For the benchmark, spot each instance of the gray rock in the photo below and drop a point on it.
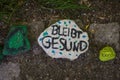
(9, 71)
(107, 34)
(35, 28)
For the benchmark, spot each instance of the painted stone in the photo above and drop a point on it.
(16, 41)
(107, 53)
(64, 39)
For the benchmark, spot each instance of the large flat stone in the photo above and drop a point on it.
(9, 71)
(106, 34)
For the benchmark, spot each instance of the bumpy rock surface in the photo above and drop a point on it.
(106, 34)
(9, 71)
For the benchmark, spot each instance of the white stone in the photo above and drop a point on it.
(64, 39)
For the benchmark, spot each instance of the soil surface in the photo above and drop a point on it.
(103, 19)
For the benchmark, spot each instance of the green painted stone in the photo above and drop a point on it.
(16, 41)
(107, 53)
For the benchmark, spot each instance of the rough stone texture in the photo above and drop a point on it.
(107, 34)
(9, 71)
(35, 29)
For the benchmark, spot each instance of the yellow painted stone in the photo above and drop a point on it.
(107, 53)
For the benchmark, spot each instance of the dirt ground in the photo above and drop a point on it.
(37, 65)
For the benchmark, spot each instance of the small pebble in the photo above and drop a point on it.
(106, 54)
